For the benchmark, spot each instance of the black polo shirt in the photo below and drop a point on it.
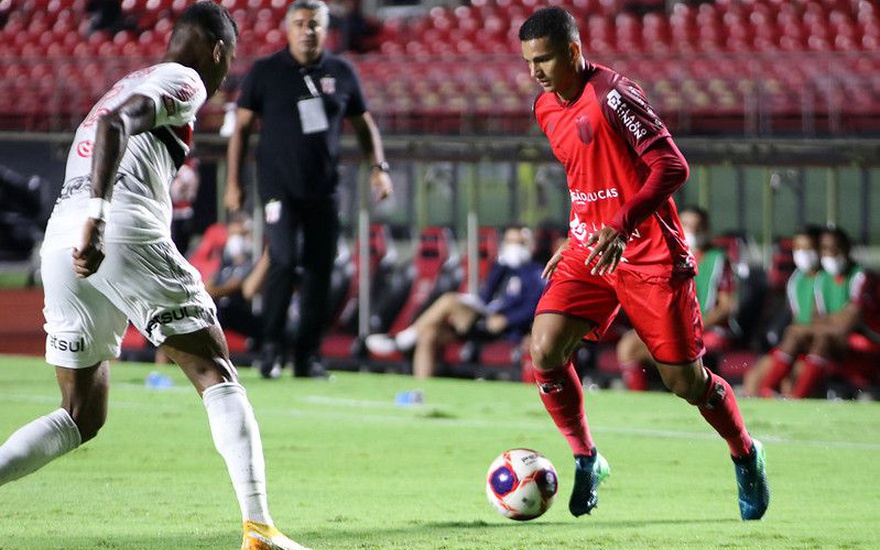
(289, 162)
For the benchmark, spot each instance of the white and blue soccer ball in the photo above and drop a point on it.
(521, 484)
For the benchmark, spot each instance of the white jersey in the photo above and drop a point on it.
(140, 208)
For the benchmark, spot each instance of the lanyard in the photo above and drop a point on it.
(311, 85)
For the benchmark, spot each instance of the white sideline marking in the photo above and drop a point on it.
(323, 400)
(408, 418)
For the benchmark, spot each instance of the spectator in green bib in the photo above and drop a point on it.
(824, 339)
(715, 286)
(801, 299)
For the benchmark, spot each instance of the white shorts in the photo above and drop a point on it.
(150, 284)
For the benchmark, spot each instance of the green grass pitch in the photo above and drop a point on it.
(348, 470)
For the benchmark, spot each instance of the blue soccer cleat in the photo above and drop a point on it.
(589, 472)
(751, 480)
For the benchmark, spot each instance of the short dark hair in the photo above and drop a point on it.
(811, 231)
(551, 22)
(213, 19)
(697, 210)
(840, 236)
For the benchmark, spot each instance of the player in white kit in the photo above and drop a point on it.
(108, 257)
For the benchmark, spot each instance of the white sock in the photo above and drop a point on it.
(406, 339)
(237, 439)
(36, 444)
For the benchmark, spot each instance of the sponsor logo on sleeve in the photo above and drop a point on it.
(84, 148)
(629, 120)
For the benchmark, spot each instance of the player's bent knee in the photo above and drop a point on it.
(685, 381)
(546, 355)
(683, 389)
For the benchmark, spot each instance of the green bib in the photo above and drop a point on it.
(801, 296)
(833, 293)
(709, 273)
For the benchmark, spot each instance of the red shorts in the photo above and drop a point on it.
(662, 309)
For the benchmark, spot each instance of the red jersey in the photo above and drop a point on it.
(600, 137)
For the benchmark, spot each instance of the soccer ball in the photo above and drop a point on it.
(521, 484)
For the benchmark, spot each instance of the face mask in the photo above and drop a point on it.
(833, 265)
(806, 260)
(513, 255)
(235, 246)
(695, 240)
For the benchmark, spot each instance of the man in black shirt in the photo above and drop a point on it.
(301, 94)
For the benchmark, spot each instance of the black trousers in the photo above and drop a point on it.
(304, 235)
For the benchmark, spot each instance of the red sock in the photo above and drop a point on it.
(634, 375)
(563, 397)
(811, 376)
(780, 366)
(718, 406)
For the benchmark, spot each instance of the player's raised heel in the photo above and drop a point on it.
(259, 536)
(751, 481)
(589, 472)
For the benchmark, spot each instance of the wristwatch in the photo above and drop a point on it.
(381, 166)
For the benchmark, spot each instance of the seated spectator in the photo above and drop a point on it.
(234, 280)
(825, 338)
(860, 322)
(238, 280)
(715, 293)
(801, 300)
(504, 308)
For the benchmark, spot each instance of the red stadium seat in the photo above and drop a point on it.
(341, 339)
(208, 254)
(434, 251)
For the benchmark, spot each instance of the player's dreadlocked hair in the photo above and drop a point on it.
(213, 19)
(552, 22)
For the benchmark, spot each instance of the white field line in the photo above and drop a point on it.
(409, 418)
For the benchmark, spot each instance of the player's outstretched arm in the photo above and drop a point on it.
(136, 115)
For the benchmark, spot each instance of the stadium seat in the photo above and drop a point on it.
(466, 40)
(432, 272)
(208, 254)
(487, 252)
(341, 343)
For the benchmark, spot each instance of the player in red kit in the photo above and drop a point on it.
(625, 247)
